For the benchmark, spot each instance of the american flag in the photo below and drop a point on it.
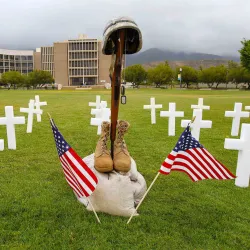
(190, 157)
(78, 175)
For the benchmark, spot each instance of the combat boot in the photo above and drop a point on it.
(103, 161)
(122, 161)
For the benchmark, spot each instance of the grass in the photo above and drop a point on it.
(39, 211)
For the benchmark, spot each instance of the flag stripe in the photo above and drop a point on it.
(82, 173)
(189, 165)
(71, 184)
(85, 193)
(197, 164)
(167, 165)
(79, 178)
(220, 165)
(84, 166)
(70, 175)
(213, 168)
(186, 171)
(204, 167)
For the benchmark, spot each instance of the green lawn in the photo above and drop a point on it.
(39, 211)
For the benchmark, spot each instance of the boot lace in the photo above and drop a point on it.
(104, 141)
(123, 128)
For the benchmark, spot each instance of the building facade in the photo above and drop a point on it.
(16, 60)
(75, 62)
(72, 63)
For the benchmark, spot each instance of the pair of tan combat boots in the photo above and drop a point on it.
(103, 160)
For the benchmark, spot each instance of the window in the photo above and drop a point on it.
(1, 56)
(6, 64)
(30, 65)
(17, 58)
(24, 57)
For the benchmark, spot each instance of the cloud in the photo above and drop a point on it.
(184, 25)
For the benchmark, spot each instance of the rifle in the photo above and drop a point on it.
(116, 84)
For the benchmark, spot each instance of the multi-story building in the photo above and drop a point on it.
(75, 62)
(16, 60)
(71, 63)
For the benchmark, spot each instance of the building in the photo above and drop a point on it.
(16, 60)
(74, 62)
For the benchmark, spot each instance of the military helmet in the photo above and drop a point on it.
(133, 37)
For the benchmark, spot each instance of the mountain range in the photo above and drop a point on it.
(159, 55)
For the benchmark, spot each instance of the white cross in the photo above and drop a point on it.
(31, 111)
(172, 114)
(9, 120)
(97, 103)
(38, 104)
(103, 116)
(236, 114)
(197, 124)
(247, 108)
(153, 107)
(243, 145)
(97, 111)
(200, 105)
(1, 144)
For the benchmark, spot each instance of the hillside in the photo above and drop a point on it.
(155, 55)
(192, 63)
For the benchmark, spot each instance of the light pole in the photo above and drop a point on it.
(180, 77)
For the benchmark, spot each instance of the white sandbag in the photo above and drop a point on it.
(116, 193)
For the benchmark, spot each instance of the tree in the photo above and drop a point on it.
(239, 75)
(220, 75)
(39, 77)
(214, 75)
(14, 78)
(232, 65)
(206, 76)
(245, 54)
(188, 75)
(135, 74)
(161, 74)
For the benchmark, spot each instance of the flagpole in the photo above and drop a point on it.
(93, 210)
(143, 197)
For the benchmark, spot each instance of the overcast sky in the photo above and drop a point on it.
(210, 26)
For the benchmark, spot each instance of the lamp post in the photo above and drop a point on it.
(180, 77)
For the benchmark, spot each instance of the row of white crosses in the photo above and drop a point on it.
(101, 112)
(242, 144)
(172, 114)
(10, 121)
